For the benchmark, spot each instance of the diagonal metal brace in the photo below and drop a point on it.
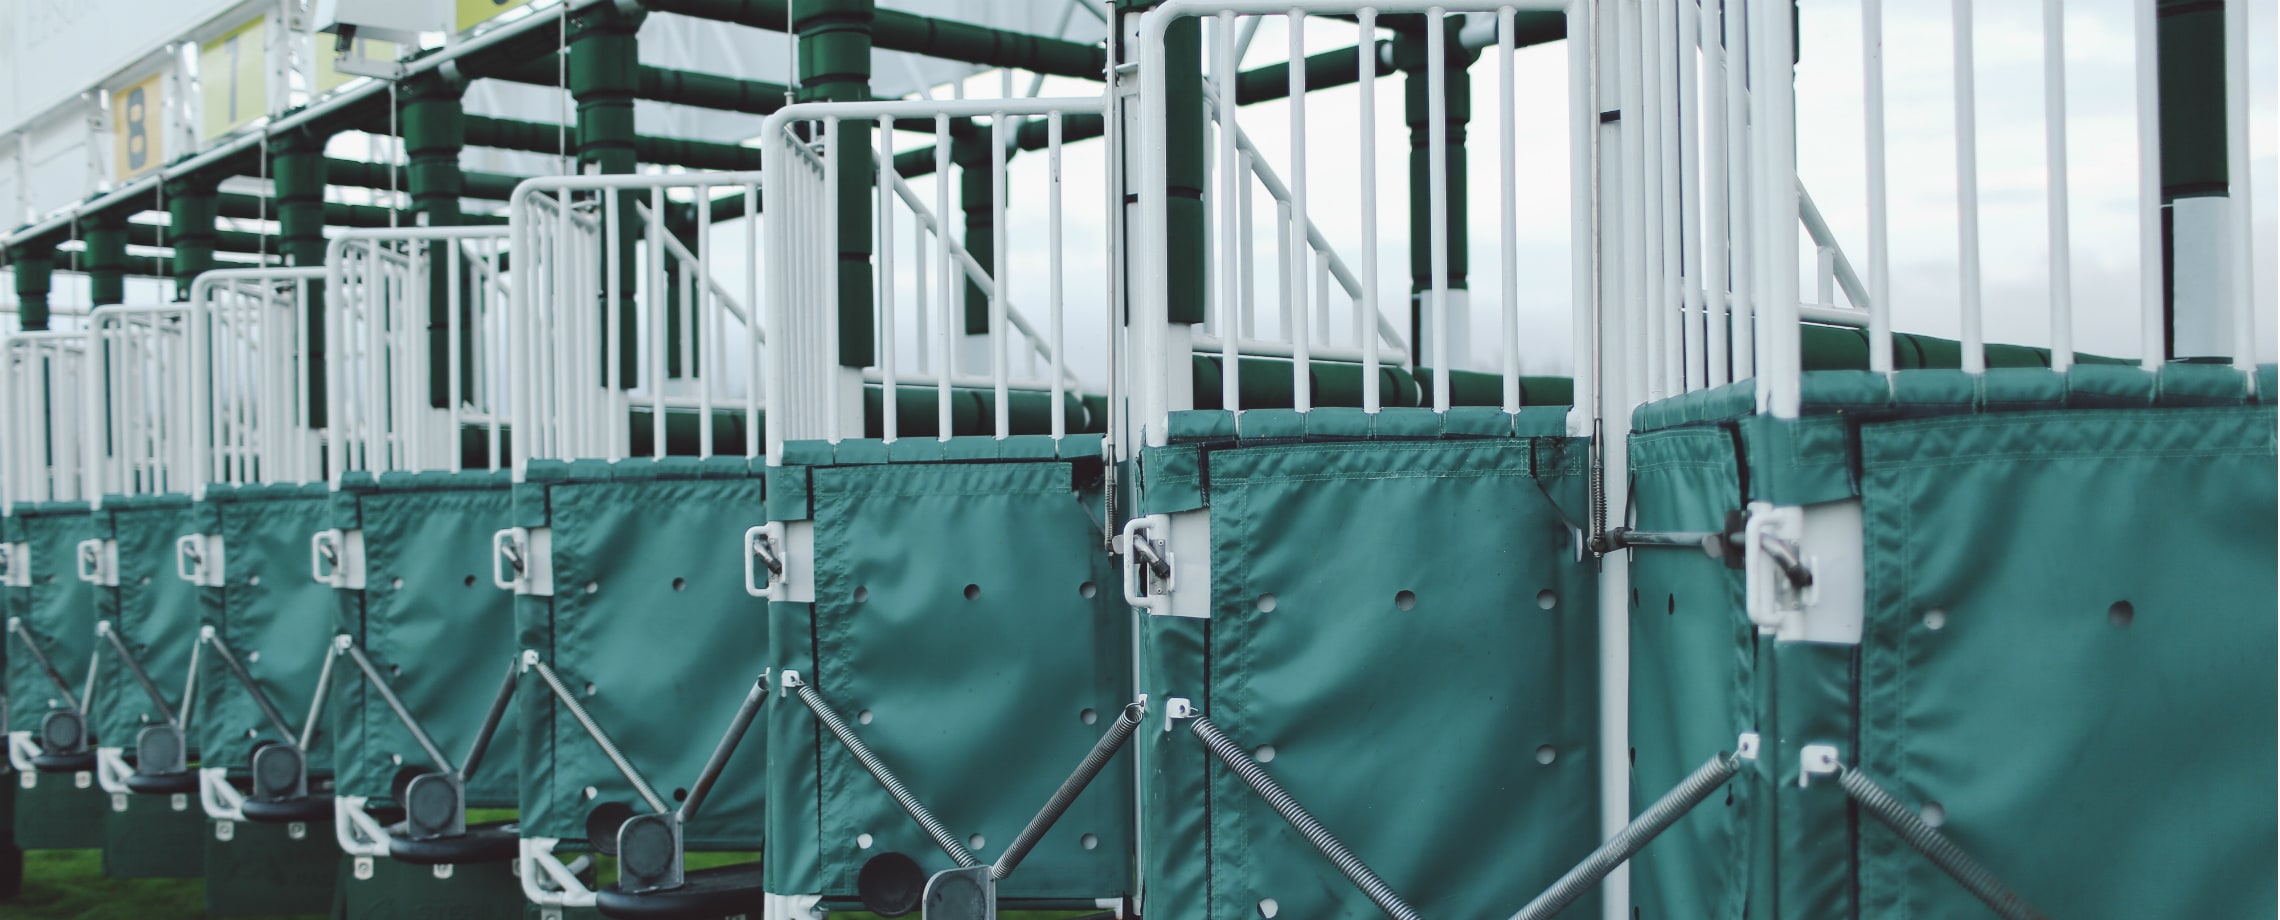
(1118, 734)
(594, 731)
(1256, 776)
(347, 646)
(1659, 817)
(245, 679)
(878, 769)
(39, 656)
(135, 668)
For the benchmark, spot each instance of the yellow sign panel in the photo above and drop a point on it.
(138, 123)
(473, 13)
(232, 91)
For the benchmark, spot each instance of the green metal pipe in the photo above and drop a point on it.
(434, 126)
(835, 65)
(214, 240)
(297, 159)
(105, 258)
(33, 264)
(604, 73)
(540, 137)
(970, 152)
(191, 208)
(665, 84)
(939, 38)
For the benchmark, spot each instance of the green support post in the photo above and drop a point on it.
(604, 72)
(33, 263)
(970, 151)
(434, 125)
(297, 165)
(835, 66)
(1185, 219)
(191, 207)
(106, 258)
(1409, 55)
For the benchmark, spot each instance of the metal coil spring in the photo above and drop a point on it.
(1675, 804)
(1935, 846)
(886, 778)
(1102, 751)
(1378, 891)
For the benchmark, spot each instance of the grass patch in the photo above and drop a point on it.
(69, 885)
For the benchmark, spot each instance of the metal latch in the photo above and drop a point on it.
(522, 560)
(765, 545)
(198, 559)
(1148, 571)
(336, 558)
(99, 562)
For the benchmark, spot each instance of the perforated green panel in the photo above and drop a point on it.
(57, 608)
(279, 621)
(154, 611)
(1404, 623)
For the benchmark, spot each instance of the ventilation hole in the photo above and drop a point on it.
(396, 760)
(1265, 754)
(864, 717)
(2120, 614)
(592, 587)
(1089, 841)
(591, 690)
(592, 793)
(396, 584)
(1934, 814)
(1935, 619)
(1547, 754)
(973, 592)
(862, 841)
(468, 581)
(250, 734)
(1088, 716)
(680, 584)
(1405, 600)
(1266, 603)
(1670, 605)
(862, 594)
(145, 580)
(976, 843)
(395, 670)
(1087, 590)
(1546, 599)
(250, 580)
(680, 795)
(1268, 908)
(253, 656)
(1729, 796)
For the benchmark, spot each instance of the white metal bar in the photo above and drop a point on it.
(1366, 55)
(1742, 196)
(2241, 209)
(998, 356)
(1879, 243)
(1659, 235)
(1301, 364)
(1234, 226)
(889, 421)
(2054, 143)
(1053, 261)
(951, 322)
(1507, 160)
(1967, 190)
(1694, 352)
(1716, 231)
(657, 302)
(2152, 324)
(1437, 191)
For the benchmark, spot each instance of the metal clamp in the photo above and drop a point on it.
(1148, 571)
(99, 562)
(198, 559)
(546, 881)
(111, 770)
(765, 544)
(1816, 760)
(16, 565)
(221, 801)
(336, 558)
(357, 832)
(522, 561)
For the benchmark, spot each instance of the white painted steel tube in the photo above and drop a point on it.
(951, 322)
(1653, 279)
(1716, 230)
(2241, 210)
(1879, 240)
(1054, 308)
(1967, 190)
(1507, 166)
(1688, 114)
(1301, 333)
(998, 356)
(1232, 185)
(1366, 54)
(1740, 153)
(2152, 324)
(889, 422)
(1437, 176)
(2054, 146)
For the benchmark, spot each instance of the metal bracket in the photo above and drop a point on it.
(966, 893)
(16, 565)
(1149, 574)
(199, 559)
(522, 560)
(358, 833)
(1746, 747)
(546, 881)
(221, 801)
(99, 562)
(1816, 760)
(765, 544)
(1177, 708)
(1805, 571)
(336, 558)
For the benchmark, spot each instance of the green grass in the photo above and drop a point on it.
(69, 885)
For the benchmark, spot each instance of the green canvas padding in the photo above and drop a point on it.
(1485, 388)
(401, 891)
(2102, 385)
(1413, 734)
(153, 611)
(965, 621)
(57, 608)
(649, 610)
(436, 626)
(278, 621)
(59, 811)
(262, 871)
(1691, 672)
(148, 836)
(2055, 739)
(973, 412)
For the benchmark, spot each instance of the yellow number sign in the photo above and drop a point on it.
(232, 91)
(473, 13)
(138, 119)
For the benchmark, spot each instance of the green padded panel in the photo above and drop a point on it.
(2054, 738)
(1690, 674)
(666, 637)
(977, 703)
(401, 891)
(1413, 734)
(57, 608)
(153, 611)
(154, 836)
(261, 870)
(59, 811)
(432, 621)
(274, 616)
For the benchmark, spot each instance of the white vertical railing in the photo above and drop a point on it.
(43, 393)
(588, 331)
(1014, 359)
(380, 343)
(138, 405)
(250, 414)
